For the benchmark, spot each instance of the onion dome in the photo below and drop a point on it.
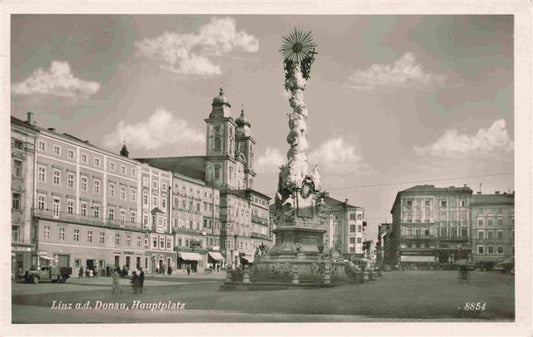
(221, 106)
(243, 125)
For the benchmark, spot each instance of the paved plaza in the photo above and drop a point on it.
(410, 295)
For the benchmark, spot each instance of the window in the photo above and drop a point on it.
(70, 206)
(102, 237)
(132, 216)
(70, 154)
(443, 203)
(164, 187)
(154, 201)
(83, 183)
(490, 235)
(42, 146)
(123, 169)
(489, 222)
(463, 203)
(409, 203)
(77, 263)
(359, 228)
(15, 233)
(128, 240)
(145, 181)
(56, 177)
(112, 166)
(62, 233)
(96, 186)
(464, 232)
(500, 222)
(155, 243)
(16, 201)
(70, 180)
(112, 190)
(145, 198)
(500, 250)
(56, 207)
(154, 184)
(480, 235)
(111, 214)
(123, 192)
(84, 158)
(83, 207)
(500, 235)
(352, 228)
(168, 244)
(42, 174)
(198, 207)
(96, 211)
(217, 171)
(90, 236)
(133, 172)
(76, 235)
(97, 162)
(17, 168)
(57, 150)
(19, 145)
(117, 239)
(46, 233)
(163, 202)
(133, 194)
(145, 220)
(490, 250)
(480, 249)
(122, 215)
(352, 240)
(499, 210)
(480, 222)
(138, 241)
(41, 202)
(358, 240)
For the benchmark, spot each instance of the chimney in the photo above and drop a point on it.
(497, 192)
(30, 118)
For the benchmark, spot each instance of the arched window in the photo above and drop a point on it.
(218, 144)
(145, 198)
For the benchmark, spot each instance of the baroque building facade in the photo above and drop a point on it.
(83, 206)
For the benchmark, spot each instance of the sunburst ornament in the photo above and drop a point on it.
(297, 46)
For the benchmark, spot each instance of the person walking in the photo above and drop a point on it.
(80, 272)
(141, 279)
(169, 270)
(135, 281)
(188, 270)
(116, 282)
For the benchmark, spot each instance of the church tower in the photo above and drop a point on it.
(220, 146)
(245, 148)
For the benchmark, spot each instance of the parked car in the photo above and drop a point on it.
(48, 273)
(505, 266)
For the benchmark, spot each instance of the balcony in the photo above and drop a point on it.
(188, 230)
(84, 220)
(258, 220)
(260, 236)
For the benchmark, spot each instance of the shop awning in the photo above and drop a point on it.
(418, 258)
(189, 256)
(216, 256)
(47, 258)
(249, 258)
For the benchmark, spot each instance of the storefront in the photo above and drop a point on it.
(159, 262)
(20, 260)
(189, 260)
(215, 260)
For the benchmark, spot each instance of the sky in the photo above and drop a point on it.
(394, 101)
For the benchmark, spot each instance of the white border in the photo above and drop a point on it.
(522, 11)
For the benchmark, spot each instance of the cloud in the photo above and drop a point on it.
(405, 72)
(486, 142)
(57, 81)
(336, 156)
(161, 128)
(190, 54)
(270, 161)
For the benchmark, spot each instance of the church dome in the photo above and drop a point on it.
(242, 120)
(221, 99)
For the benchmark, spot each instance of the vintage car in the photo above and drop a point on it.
(505, 266)
(48, 273)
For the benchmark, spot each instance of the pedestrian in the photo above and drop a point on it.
(107, 271)
(169, 270)
(80, 272)
(141, 279)
(156, 270)
(116, 282)
(188, 270)
(95, 272)
(135, 281)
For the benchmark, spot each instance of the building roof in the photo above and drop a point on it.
(193, 166)
(430, 189)
(492, 199)
(331, 202)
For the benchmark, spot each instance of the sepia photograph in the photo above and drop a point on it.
(227, 167)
